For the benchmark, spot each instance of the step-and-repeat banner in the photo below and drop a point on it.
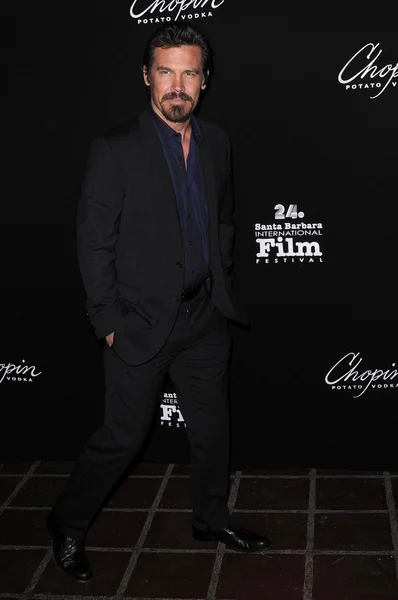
(309, 101)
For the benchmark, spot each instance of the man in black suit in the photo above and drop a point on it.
(155, 236)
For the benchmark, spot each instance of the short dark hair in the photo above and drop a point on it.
(175, 35)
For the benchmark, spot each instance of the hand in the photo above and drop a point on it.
(109, 338)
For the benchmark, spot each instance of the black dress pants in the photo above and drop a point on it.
(196, 357)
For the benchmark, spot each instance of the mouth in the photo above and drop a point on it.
(177, 100)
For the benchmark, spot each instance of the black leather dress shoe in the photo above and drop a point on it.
(69, 553)
(237, 539)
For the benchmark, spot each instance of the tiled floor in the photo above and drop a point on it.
(334, 537)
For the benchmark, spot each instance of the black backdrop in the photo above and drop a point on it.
(319, 284)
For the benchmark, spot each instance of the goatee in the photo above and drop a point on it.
(176, 114)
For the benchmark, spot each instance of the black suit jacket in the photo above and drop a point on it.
(130, 246)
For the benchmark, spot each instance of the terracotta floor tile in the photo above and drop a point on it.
(261, 577)
(352, 532)
(187, 575)
(16, 468)
(116, 529)
(187, 470)
(178, 494)
(39, 491)
(260, 494)
(300, 471)
(174, 530)
(108, 567)
(23, 527)
(54, 468)
(349, 472)
(7, 485)
(355, 578)
(171, 576)
(135, 493)
(394, 485)
(18, 568)
(181, 470)
(285, 531)
(351, 494)
(148, 469)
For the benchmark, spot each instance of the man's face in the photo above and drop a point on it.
(176, 78)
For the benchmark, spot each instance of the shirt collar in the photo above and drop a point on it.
(166, 132)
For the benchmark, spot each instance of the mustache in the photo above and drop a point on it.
(174, 95)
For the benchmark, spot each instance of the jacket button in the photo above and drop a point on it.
(179, 265)
(177, 298)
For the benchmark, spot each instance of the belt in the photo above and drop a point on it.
(191, 292)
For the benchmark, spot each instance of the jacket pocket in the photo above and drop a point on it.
(129, 306)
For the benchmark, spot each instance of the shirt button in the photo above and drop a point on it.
(190, 243)
(176, 298)
(189, 215)
(179, 265)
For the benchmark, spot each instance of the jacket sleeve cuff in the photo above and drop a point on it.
(106, 321)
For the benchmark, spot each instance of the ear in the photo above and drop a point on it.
(205, 79)
(145, 74)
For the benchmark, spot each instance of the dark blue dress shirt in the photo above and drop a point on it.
(189, 187)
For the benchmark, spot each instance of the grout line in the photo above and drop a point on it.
(243, 476)
(221, 549)
(39, 572)
(352, 552)
(158, 476)
(319, 511)
(292, 551)
(82, 597)
(317, 477)
(309, 553)
(15, 491)
(351, 476)
(11, 475)
(265, 511)
(393, 516)
(269, 476)
(140, 542)
(66, 475)
(23, 547)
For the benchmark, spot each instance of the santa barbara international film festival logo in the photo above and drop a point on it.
(166, 11)
(289, 239)
(350, 374)
(365, 71)
(22, 373)
(170, 414)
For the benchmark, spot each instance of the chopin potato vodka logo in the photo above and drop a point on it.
(348, 373)
(22, 373)
(365, 71)
(165, 11)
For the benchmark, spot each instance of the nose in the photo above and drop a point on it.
(177, 85)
